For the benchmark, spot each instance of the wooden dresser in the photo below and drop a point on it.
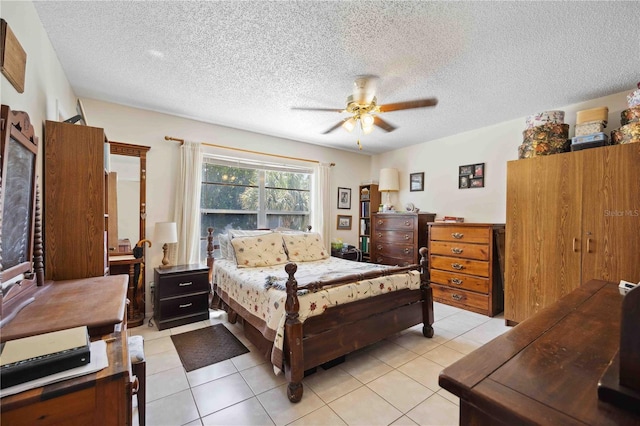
(397, 237)
(545, 371)
(464, 266)
(182, 295)
(101, 398)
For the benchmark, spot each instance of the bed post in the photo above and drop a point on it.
(294, 362)
(427, 294)
(213, 297)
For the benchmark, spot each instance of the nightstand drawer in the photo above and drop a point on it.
(183, 283)
(465, 266)
(463, 234)
(455, 280)
(384, 222)
(460, 298)
(184, 306)
(468, 251)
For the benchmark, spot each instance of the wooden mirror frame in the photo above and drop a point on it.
(140, 151)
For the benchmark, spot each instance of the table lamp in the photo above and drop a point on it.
(167, 233)
(388, 183)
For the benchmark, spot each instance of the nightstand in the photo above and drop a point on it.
(181, 295)
(348, 255)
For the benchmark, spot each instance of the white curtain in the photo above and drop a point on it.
(321, 211)
(187, 207)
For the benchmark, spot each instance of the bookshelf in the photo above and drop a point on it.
(369, 201)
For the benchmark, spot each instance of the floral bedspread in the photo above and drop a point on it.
(257, 293)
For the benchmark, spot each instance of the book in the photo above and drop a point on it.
(32, 357)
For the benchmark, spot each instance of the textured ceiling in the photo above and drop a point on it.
(244, 64)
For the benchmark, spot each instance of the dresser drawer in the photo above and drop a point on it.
(455, 280)
(383, 259)
(184, 283)
(396, 237)
(465, 266)
(460, 298)
(384, 222)
(469, 251)
(463, 234)
(184, 306)
(395, 250)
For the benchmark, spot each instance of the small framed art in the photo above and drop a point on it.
(416, 182)
(344, 222)
(471, 176)
(344, 198)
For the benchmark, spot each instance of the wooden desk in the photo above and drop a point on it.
(101, 398)
(545, 370)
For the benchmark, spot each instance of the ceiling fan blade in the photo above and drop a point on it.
(333, 128)
(318, 109)
(384, 125)
(418, 103)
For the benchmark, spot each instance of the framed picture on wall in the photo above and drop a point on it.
(416, 182)
(344, 222)
(344, 198)
(471, 176)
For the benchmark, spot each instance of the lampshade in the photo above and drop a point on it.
(388, 180)
(349, 124)
(166, 232)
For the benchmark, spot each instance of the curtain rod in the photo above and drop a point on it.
(170, 138)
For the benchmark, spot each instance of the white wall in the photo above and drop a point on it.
(494, 146)
(46, 89)
(142, 127)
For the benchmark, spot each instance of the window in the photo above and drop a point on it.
(250, 195)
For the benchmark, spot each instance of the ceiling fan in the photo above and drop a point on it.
(363, 107)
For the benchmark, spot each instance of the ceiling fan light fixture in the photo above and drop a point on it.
(366, 122)
(349, 124)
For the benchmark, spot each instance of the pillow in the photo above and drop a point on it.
(260, 250)
(232, 233)
(223, 241)
(305, 247)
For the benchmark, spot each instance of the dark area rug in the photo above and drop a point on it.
(205, 346)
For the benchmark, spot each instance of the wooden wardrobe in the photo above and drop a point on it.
(571, 218)
(75, 219)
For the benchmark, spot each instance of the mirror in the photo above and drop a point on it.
(127, 196)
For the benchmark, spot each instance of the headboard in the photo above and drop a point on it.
(21, 251)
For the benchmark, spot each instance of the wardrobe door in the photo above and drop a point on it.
(542, 233)
(611, 213)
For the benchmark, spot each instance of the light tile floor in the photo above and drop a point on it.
(393, 382)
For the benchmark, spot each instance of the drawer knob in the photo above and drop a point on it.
(407, 250)
(456, 281)
(185, 284)
(380, 221)
(379, 234)
(457, 235)
(456, 250)
(457, 266)
(186, 305)
(407, 223)
(379, 247)
(457, 297)
(407, 236)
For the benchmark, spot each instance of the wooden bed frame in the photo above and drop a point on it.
(340, 329)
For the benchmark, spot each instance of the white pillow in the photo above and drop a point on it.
(305, 247)
(260, 250)
(223, 241)
(233, 233)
